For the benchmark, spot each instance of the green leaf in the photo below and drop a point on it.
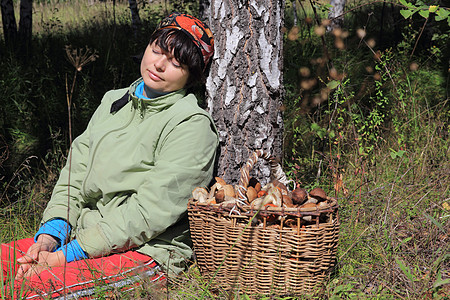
(321, 133)
(331, 134)
(439, 18)
(442, 14)
(434, 221)
(404, 269)
(424, 13)
(315, 127)
(433, 8)
(404, 3)
(333, 84)
(439, 282)
(406, 240)
(407, 13)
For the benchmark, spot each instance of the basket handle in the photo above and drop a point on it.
(276, 172)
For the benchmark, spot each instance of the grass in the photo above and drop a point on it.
(377, 140)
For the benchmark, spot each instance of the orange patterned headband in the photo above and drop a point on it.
(199, 32)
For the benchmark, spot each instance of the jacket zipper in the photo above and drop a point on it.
(99, 142)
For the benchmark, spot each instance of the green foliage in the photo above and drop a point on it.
(33, 102)
(373, 129)
(424, 10)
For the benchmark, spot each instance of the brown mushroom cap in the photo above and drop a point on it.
(229, 190)
(252, 194)
(220, 196)
(220, 181)
(299, 196)
(318, 193)
(280, 185)
(287, 201)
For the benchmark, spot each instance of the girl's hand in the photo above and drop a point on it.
(45, 261)
(44, 242)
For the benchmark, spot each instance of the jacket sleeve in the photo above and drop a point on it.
(66, 193)
(184, 160)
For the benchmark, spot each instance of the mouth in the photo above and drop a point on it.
(153, 76)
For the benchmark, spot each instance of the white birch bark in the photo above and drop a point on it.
(244, 89)
(336, 14)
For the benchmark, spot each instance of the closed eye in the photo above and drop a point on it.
(176, 64)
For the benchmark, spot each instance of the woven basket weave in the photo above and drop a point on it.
(288, 258)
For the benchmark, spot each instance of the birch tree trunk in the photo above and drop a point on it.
(336, 14)
(244, 89)
(9, 21)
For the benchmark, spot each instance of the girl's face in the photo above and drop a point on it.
(161, 72)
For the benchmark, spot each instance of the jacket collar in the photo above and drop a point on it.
(147, 105)
(156, 104)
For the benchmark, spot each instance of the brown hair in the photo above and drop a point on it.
(184, 51)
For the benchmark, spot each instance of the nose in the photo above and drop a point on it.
(160, 63)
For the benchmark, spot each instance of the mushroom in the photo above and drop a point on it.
(261, 193)
(220, 196)
(200, 194)
(280, 186)
(287, 201)
(312, 200)
(229, 190)
(277, 196)
(318, 193)
(212, 192)
(220, 181)
(258, 187)
(322, 204)
(266, 187)
(252, 194)
(259, 203)
(299, 195)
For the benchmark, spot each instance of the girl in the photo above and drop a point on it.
(118, 210)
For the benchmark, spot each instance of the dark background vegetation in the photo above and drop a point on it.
(369, 123)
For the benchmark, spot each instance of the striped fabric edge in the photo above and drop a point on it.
(116, 284)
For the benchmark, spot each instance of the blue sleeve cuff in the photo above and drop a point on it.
(72, 251)
(57, 228)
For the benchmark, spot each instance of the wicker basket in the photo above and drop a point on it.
(288, 258)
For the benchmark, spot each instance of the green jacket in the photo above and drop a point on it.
(131, 174)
